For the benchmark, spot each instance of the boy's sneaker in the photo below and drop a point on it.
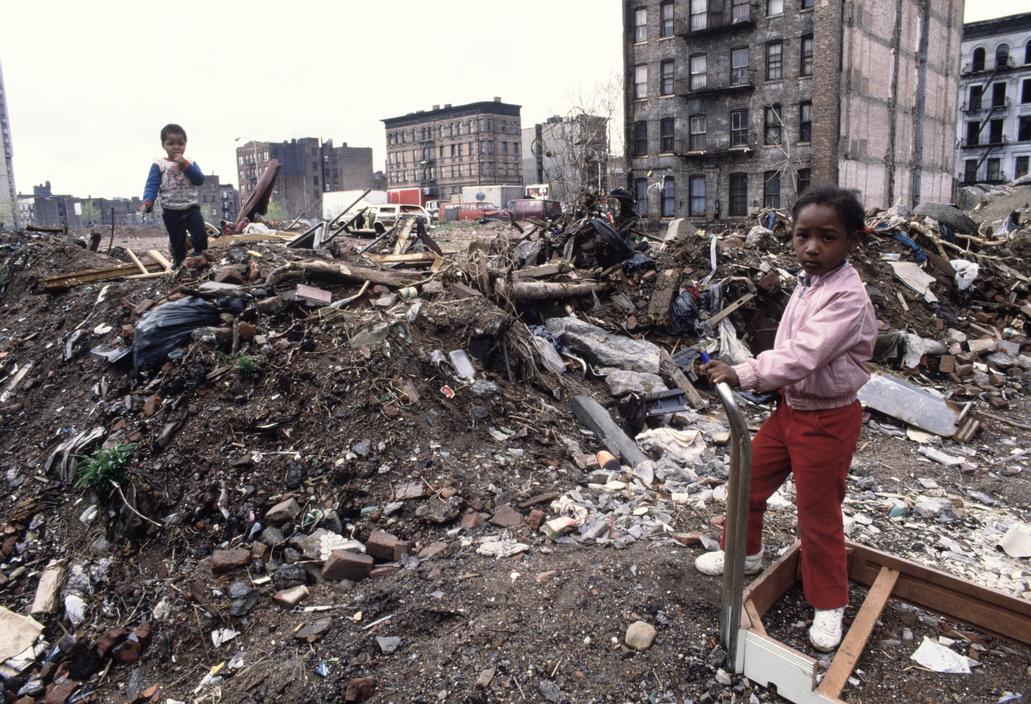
(711, 563)
(825, 633)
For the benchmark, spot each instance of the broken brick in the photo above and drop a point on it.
(246, 330)
(506, 517)
(535, 519)
(360, 689)
(151, 406)
(343, 564)
(384, 546)
(109, 640)
(223, 561)
(472, 520)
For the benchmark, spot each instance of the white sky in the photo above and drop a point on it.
(89, 84)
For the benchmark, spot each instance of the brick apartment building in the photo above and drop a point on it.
(308, 168)
(443, 149)
(994, 125)
(44, 207)
(218, 201)
(736, 104)
(8, 194)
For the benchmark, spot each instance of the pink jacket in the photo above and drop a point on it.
(827, 333)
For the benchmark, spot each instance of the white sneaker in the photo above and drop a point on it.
(825, 633)
(711, 563)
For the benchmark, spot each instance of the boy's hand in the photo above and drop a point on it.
(144, 208)
(720, 371)
(181, 160)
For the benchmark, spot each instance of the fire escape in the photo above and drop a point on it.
(996, 106)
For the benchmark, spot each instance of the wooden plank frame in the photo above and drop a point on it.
(887, 576)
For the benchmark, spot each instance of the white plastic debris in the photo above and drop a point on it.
(223, 635)
(937, 658)
(966, 273)
(502, 548)
(1017, 541)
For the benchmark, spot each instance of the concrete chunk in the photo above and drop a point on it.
(597, 419)
(605, 349)
(622, 382)
(909, 403)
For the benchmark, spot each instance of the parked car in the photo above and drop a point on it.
(523, 208)
(380, 218)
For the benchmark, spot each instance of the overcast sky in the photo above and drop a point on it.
(89, 84)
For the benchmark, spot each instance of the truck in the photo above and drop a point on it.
(410, 196)
(499, 195)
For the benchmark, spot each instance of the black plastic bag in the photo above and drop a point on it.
(168, 327)
(684, 315)
(638, 261)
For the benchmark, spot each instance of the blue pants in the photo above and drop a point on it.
(178, 223)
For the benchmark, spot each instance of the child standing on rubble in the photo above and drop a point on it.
(816, 365)
(175, 180)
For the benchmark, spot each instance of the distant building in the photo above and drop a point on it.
(8, 194)
(733, 105)
(994, 125)
(441, 150)
(308, 168)
(56, 210)
(230, 202)
(44, 207)
(570, 154)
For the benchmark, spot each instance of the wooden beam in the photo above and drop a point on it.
(715, 320)
(671, 373)
(772, 584)
(951, 596)
(755, 621)
(89, 276)
(136, 261)
(412, 258)
(851, 648)
(160, 259)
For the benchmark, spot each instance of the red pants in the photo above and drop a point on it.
(817, 447)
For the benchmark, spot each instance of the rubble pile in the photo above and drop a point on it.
(273, 472)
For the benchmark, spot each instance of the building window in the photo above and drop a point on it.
(805, 178)
(978, 60)
(698, 11)
(771, 189)
(1025, 91)
(1002, 56)
(805, 67)
(1024, 129)
(1020, 166)
(669, 197)
(696, 189)
(640, 81)
(697, 72)
(973, 132)
(666, 77)
(807, 4)
(774, 7)
(641, 195)
(774, 60)
(773, 125)
(970, 171)
(974, 97)
(666, 19)
(640, 138)
(740, 10)
(998, 95)
(738, 195)
(805, 121)
(994, 170)
(667, 127)
(739, 66)
(995, 132)
(739, 128)
(697, 133)
(640, 24)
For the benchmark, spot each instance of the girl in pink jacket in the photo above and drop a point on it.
(826, 335)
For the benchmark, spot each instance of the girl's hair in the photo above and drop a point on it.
(846, 202)
(172, 128)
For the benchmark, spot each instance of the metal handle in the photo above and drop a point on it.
(736, 525)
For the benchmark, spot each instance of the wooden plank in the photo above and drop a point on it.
(539, 272)
(136, 261)
(755, 621)
(772, 584)
(160, 259)
(851, 648)
(407, 224)
(89, 276)
(671, 373)
(951, 596)
(661, 302)
(413, 258)
(715, 320)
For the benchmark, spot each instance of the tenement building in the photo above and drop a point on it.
(308, 167)
(443, 149)
(734, 105)
(8, 195)
(994, 125)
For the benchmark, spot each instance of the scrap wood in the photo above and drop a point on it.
(88, 276)
(136, 261)
(403, 230)
(671, 374)
(346, 272)
(413, 258)
(714, 320)
(542, 290)
(542, 271)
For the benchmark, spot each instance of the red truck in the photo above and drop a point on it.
(409, 196)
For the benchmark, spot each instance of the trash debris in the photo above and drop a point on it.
(938, 658)
(1017, 541)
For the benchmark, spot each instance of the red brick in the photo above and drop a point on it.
(472, 520)
(384, 546)
(247, 330)
(535, 519)
(60, 693)
(343, 564)
(151, 406)
(223, 561)
(109, 640)
(310, 294)
(358, 690)
(229, 275)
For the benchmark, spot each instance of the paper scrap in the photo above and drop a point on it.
(937, 658)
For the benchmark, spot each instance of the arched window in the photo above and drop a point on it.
(1002, 56)
(978, 64)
